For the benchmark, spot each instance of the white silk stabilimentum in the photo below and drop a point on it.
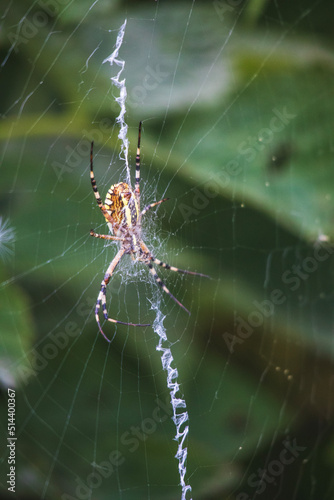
(120, 84)
(179, 417)
(178, 403)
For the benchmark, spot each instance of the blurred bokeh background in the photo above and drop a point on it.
(236, 99)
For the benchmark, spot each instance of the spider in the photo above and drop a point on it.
(122, 213)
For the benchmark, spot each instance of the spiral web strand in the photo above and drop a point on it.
(167, 360)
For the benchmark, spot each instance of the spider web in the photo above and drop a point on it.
(235, 99)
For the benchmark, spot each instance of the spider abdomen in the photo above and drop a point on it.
(121, 204)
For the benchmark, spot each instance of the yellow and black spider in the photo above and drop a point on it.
(121, 210)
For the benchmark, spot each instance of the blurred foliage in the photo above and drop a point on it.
(237, 110)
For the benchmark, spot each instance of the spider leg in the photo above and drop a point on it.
(148, 261)
(137, 190)
(176, 269)
(163, 286)
(105, 236)
(94, 186)
(101, 298)
(151, 205)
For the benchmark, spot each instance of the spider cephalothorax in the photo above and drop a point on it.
(121, 210)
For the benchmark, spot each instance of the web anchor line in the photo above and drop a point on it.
(177, 403)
